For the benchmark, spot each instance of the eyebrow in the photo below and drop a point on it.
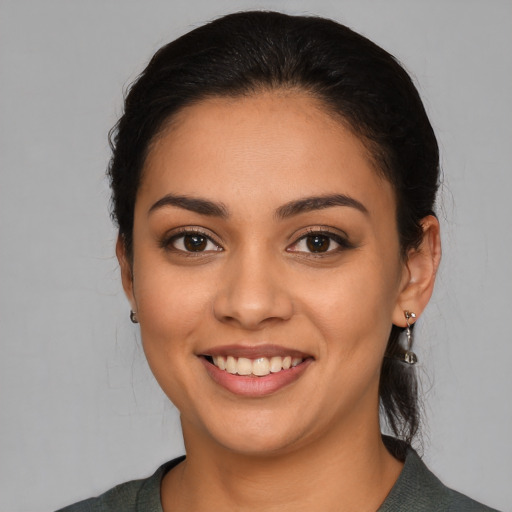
(193, 204)
(308, 204)
(213, 209)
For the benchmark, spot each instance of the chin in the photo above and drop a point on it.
(260, 445)
(258, 435)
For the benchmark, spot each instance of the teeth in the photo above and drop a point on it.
(220, 362)
(261, 366)
(276, 364)
(231, 364)
(244, 366)
(258, 367)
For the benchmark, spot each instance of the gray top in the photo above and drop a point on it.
(416, 490)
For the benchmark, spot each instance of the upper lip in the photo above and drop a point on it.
(254, 351)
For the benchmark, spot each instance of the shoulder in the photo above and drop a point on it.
(134, 496)
(419, 490)
(121, 497)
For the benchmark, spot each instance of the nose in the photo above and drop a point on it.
(253, 293)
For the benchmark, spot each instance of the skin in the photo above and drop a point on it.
(315, 443)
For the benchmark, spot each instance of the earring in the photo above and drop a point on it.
(409, 356)
(133, 317)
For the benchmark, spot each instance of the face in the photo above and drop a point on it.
(266, 272)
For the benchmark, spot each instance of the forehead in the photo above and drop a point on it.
(274, 144)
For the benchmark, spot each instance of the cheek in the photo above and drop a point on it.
(170, 304)
(353, 305)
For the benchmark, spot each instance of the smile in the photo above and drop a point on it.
(258, 367)
(255, 371)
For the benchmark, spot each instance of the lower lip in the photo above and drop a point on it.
(254, 387)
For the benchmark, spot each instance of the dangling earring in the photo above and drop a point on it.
(409, 356)
(133, 317)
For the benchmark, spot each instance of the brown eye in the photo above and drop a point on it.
(195, 243)
(318, 243)
(191, 242)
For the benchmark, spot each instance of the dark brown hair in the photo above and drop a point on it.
(362, 84)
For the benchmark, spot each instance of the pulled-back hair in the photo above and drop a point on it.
(356, 80)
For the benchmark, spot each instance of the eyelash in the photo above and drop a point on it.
(342, 242)
(168, 242)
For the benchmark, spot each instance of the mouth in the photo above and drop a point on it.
(258, 367)
(255, 371)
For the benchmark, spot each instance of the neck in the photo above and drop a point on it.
(336, 472)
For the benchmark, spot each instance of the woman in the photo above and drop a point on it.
(274, 181)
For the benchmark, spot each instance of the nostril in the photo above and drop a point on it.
(252, 309)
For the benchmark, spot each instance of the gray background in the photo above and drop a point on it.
(79, 410)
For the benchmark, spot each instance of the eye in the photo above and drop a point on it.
(192, 242)
(319, 243)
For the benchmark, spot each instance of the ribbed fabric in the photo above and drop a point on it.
(416, 490)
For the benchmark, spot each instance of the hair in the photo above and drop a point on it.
(360, 83)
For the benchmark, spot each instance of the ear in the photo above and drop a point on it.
(419, 273)
(126, 271)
